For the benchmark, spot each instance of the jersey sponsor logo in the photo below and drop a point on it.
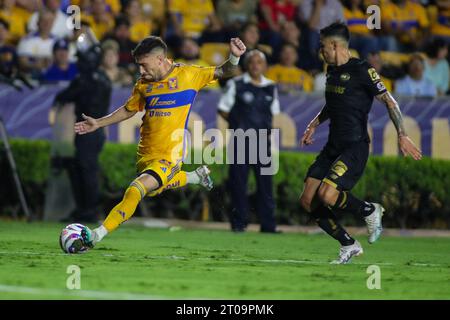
(155, 102)
(335, 89)
(339, 168)
(345, 77)
(173, 83)
(170, 100)
(154, 113)
(373, 74)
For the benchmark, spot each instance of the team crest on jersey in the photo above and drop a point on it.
(345, 77)
(149, 88)
(173, 83)
(373, 74)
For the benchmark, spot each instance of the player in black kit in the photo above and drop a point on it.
(350, 88)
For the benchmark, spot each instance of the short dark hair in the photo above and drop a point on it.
(4, 23)
(336, 29)
(147, 45)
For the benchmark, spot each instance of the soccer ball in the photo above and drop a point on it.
(71, 240)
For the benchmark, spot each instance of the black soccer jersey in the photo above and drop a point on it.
(349, 93)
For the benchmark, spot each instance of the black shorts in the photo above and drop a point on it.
(340, 164)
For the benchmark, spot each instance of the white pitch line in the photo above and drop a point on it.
(281, 261)
(102, 295)
(107, 295)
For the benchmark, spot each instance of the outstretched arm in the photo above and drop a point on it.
(406, 145)
(226, 69)
(311, 128)
(90, 124)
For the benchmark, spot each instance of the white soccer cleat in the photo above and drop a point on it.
(347, 252)
(373, 221)
(205, 180)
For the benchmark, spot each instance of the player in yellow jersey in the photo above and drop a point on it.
(166, 91)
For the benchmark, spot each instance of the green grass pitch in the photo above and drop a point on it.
(142, 263)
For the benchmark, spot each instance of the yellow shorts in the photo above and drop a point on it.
(162, 170)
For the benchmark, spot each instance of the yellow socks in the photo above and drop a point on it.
(125, 209)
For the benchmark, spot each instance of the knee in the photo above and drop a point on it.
(149, 182)
(327, 194)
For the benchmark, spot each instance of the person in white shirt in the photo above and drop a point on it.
(415, 84)
(36, 49)
(59, 27)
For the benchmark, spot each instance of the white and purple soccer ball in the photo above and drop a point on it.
(71, 240)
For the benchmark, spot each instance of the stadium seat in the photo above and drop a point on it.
(394, 58)
(214, 53)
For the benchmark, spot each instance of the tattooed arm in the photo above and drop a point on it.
(311, 128)
(226, 69)
(406, 145)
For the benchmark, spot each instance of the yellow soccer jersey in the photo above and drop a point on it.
(167, 104)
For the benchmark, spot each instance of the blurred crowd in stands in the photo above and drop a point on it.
(409, 50)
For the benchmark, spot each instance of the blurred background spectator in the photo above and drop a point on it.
(17, 19)
(155, 10)
(59, 27)
(121, 34)
(408, 22)
(191, 18)
(36, 49)
(234, 14)
(61, 69)
(250, 36)
(110, 60)
(291, 33)
(288, 77)
(100, 19)
(273, 14)
(362, 38)
(415, 84)
(436, 64)
(140, 27)
(317, 14)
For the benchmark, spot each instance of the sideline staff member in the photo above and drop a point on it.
(249, 102)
